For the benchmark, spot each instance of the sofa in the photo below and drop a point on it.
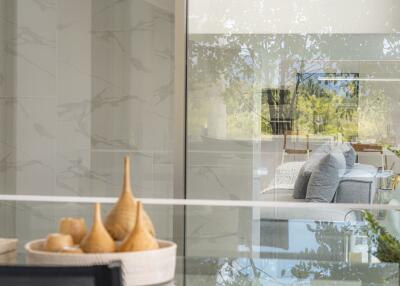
(356, 183)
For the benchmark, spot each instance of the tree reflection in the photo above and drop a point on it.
(331, 238)
(238, 67)
(248, 271)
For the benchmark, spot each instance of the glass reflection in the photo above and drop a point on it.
(263, 98)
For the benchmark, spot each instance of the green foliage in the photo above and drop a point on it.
(331, 237)
(325, 114)
(395, 151)
(249, 63)
(387, 246)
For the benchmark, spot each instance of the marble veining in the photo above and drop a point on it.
(84, 83)
(65, 107)
(6, 164)
(164, 92)
(27, 36)
(14, 52)
(109, 5)
(110, 37)
(45, 5)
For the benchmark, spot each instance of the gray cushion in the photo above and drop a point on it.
(349, 154)
(361, 172)
(300, 186)
(325, 178)
(357, 185)
(354, 192)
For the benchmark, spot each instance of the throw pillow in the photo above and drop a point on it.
(300, 186)
(349, 154)
(325, 178)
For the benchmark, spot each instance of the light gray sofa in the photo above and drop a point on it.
(329, 175)
(357, 185)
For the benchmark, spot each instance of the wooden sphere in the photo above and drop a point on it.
(56, 242)
(76, 227)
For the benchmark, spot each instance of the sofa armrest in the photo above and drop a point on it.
(354, 191)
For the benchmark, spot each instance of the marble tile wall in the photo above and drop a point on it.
(82, 84)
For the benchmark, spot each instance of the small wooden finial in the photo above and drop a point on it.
(140, 238)
(121, 219)
(127, 175)
(97, 240)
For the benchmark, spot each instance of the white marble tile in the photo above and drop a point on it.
(74, 176)
(132, 44)
(101, 173)
(74, 51)
(8, 150)
(217, 231)
(29, 43)
(163, 175)
(232, 183)
(94, 81)
(7, 219)
(32, 144)
(5, 151)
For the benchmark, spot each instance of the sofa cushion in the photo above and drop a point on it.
(285, 176)
(349, 154)
(325, 178)
(361, 172)
(354, 192)
(357, 185)
(300, 186)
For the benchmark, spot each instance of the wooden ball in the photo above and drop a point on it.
(56, 242)
(76, 227)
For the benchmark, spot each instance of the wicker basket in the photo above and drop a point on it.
(139, 268)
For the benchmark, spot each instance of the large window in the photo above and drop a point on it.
(270, 86)
(291, 102)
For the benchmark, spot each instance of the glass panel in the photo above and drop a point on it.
(229, 244)
(277, 85)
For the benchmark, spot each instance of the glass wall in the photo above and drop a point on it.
(293, 102)
(271, 81)
(291, 121)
